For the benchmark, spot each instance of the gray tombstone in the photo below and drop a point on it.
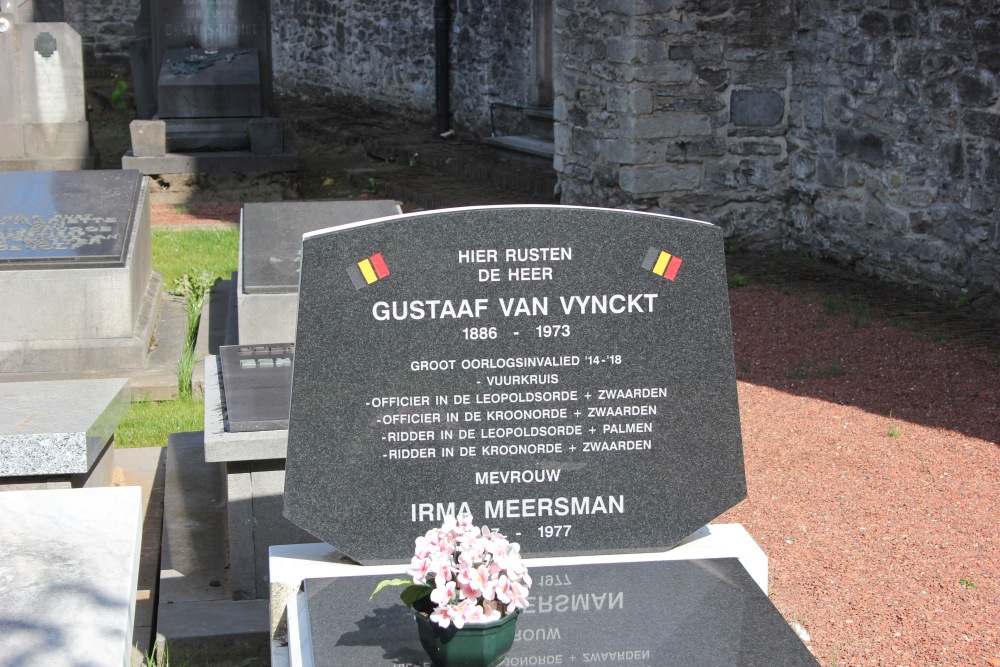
(270, 245)
(79, 291)
(43, 118)
(564, 374)
(660, 613)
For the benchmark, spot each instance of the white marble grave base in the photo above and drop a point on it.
(69, 563)
(291, 564)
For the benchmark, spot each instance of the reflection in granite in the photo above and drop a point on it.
(696, 613)
(256, 386)
(62, 218)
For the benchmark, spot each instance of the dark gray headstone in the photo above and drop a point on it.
(224, 83)
(673, 613)
(615, 429)
(51, 219)
(215, 25)
(272, 237)
(256, 386)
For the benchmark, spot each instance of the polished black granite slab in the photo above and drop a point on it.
(272, 237)
(256, 386)
(693, 613)
(52, 219)
(564, 374)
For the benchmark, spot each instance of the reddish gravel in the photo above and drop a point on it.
(873, 469)
(194, 215)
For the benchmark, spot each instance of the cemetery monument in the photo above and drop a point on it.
(43, 115)
(212, 102)
(564, 374)
(76, 271)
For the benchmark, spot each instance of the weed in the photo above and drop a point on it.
(787, 291)
(181, 208)
(968, 583)
(328, 182)
(801, 371)
(896, 431)
(838, 305)
(195, 291)
(340, 150)
(118, 96)
(738, 280)
(962, 301)
(372, 187)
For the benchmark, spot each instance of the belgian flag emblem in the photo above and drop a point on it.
(368, 270)
(662, 263)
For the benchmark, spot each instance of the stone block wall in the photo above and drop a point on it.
(896, 135)
(107, 28)
(860, 130)
(380, 56)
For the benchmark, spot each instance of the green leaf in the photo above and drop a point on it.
(385, 583)
(412, 594)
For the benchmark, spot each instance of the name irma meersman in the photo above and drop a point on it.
(522, 508)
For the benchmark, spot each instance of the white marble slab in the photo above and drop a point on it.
(69, 562)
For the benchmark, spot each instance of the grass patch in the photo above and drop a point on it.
(175, 252)
(838, 305)
(896, 431)
(834, 369)
(147, 424)
(738, 280)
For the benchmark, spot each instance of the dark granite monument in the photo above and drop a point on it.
(564, 374)
(257, 385)
(43, 116)
(79, 291)
(212, 108)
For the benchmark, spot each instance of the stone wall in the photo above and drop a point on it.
(106, 27)
(864, 131)
(896, 131)
(380, 56)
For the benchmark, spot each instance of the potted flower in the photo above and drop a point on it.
(466, 586)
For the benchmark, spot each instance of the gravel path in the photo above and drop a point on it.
(873, 470)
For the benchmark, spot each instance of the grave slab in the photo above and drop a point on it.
(662, 613)
(58, 429)
(564, 374)
(257, 384)
(76, 271)
(69, 563)
(290, 565)
(270, 245)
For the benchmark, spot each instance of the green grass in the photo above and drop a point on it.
(738, 280)
(147, 424)
(838, 305)
(176, 252)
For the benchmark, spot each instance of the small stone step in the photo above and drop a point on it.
(523, 144)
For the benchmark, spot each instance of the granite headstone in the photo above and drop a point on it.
(564, 374)
(270, 246)
(684, 613)
(43, 118)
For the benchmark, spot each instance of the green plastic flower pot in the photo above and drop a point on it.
(475, 645)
